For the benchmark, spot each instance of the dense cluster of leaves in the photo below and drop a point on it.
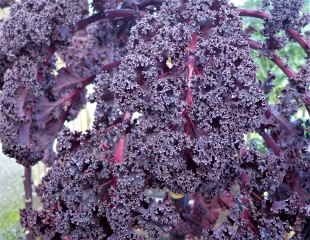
(176, 92)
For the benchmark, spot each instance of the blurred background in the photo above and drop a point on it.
(11, 174)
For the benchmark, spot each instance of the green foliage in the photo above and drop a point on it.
(307, 6)
(254, 140)
(11, 198)
(10, 228)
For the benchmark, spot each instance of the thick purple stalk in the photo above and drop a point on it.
(284, 67)
(254, 13)
(108, 14)
(270, 143)
(28, 195)
(305, 44)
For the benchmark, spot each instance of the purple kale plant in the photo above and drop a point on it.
(175, 92)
